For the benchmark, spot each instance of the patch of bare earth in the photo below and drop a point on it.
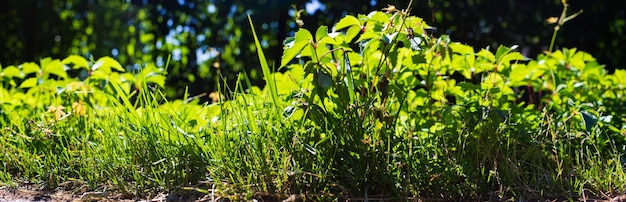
(24, 193)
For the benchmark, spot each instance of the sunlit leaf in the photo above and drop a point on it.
(512, 56)
(106, 63)
(30, 67)
(78, 61)
(157, 79)
(29, 83)
(321, 33)
(12, 71)
(347, 22)
(55, 67)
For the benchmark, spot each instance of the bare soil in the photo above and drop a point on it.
(27, 193)
(31, 192)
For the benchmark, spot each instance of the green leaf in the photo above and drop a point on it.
(506, 59)
(352, 32)
(292, 52)
(347, 22)
(486, 54)
(55, 67)
(322, 32)
(157, 79)
(78, 61)
(461, 49)
(30, 67)
(105, 64)
(378, 17)
(29, 83)
(294, 47)
(303, 35)
(12, 71)
(502, 50)
(269, 79)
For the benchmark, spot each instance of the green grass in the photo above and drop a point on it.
(312, 134)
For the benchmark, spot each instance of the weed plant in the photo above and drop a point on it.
(374, 107)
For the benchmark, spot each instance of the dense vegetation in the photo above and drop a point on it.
(374, 106)
(208, 39)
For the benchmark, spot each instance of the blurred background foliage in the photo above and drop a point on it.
(201, 41)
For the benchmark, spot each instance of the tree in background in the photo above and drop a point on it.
(209, 40)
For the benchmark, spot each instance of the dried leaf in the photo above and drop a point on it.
(57, 111)
(390, 9)
(552, 20)
(215, 96)
(79, 108)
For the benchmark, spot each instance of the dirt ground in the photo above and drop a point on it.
(27, 193)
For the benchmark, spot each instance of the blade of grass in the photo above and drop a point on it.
(267, 74)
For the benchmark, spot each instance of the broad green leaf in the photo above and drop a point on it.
(328, 40)
(503, 50)
(30, 67)
(347, 22)
(378, 17)
(105, 64)
(322, 32)
(368, 35)
(12, 71)
(461, 49)
(519, 73)
(29, 83)
(293, 48)
(78, 61)
(157, 79)
(507, 58)
(98, 75)
(352, 32)
(594, 71)
(303, 35)
(558, 55)
(292, 52)
(619, 78)
(55, 67)
(579, 59)
(484, 53)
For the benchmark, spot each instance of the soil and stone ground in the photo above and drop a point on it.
(26, 193)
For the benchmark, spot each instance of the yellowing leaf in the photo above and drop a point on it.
(390, 9)
(57, 111)
(216, 96)
(78, 108)
(552, 20)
